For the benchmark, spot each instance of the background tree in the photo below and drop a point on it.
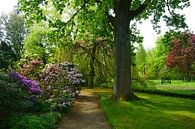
(156, 59)
(12, 33)
(182, 56)
(37, 44)
(95, 40)
(141, 59)
(119, 14)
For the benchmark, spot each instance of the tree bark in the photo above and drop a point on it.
(122, 88)
(92, 70)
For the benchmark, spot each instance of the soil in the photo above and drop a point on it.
(86, 114)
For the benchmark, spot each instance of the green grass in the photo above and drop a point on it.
(175, 83)
(179, 87)
(153, 112)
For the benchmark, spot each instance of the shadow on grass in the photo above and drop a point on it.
(153, 112)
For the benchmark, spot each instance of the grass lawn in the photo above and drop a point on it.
(175, 83)
(153, 112)
(176, 86)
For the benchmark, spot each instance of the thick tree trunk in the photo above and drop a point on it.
(122, 88)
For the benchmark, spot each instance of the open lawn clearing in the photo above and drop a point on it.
(153, 112)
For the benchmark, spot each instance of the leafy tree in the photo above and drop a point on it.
(119, 14)
(37, 44)
(94, 39)
(141, 59)
(156, 59)
(182, 55)
(97, 55)
(12, 33)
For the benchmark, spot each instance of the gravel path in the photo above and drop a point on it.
(86, 114)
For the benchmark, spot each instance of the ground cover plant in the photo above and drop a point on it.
(151, 112)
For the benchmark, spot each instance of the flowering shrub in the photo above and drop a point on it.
(32, 69)
(59, 82)
(12, 96)
(30, 85)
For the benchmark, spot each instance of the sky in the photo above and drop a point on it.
(146, 29)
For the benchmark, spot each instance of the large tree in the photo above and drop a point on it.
(120, 13)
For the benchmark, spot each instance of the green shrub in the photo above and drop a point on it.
(40, 106)
(50, 119)
(29, 121)
(25, 122)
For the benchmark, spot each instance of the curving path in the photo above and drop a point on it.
(86, 114)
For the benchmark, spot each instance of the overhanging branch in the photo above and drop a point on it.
(82, 7)
(139, 10)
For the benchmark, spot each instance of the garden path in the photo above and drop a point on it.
(86, 114)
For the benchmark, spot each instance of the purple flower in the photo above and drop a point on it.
(76, 81)
(31, 85)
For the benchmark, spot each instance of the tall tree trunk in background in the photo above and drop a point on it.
(189, 69)
(91, 64)
(122, 87)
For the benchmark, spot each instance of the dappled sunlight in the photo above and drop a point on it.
(184, 113)
(98, 90)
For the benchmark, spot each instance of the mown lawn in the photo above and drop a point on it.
(175, 83)
(153, 112)
(176, 86)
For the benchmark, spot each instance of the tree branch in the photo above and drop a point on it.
(139, 10)
(83, 6)
(171, 13)
(110, 19)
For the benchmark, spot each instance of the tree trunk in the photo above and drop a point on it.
(92, 70)
(188, 76)
(122, 88)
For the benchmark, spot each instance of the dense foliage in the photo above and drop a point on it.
(29, 121)
(13, 96)
(32, 69)
(12, 33)
(182, 55)
(37, 45)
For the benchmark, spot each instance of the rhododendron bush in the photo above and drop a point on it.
(30, 85)
(32, 69)
(13, 96)
(60, 83)
(56, 84)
